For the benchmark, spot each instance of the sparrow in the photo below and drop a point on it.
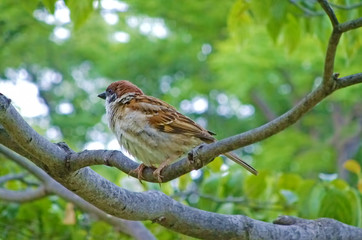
(152, 130)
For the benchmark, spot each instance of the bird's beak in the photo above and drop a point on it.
(102, 95)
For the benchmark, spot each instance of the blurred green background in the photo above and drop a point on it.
(230, 65)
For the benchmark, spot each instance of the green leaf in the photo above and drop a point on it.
(226, 208)
(356, 204)
(336, 204)
(340, 184)
(260, 10)
(289, 196)
(50, 5)
(210, 187)
(289, 181)
(30, 5)
(305, 198)
(277, 19)
(215, 164)
(255, 185)
(233, 183)
(314, 202)
(79, 11)
(322, 28)
(184, 181)
(100, 229)
(342, 203)
(292, 33)
(239, 19)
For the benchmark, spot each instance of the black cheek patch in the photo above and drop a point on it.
(112, 98)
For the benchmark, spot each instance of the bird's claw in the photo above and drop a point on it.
(139, 172)
(157, 174)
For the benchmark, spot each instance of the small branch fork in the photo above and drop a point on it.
(70, 168)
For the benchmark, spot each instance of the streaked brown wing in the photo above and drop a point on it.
(165, 118)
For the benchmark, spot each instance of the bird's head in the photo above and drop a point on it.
(119, 89)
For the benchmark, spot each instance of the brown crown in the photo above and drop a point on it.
(122, 87)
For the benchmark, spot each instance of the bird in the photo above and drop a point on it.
(152, 130)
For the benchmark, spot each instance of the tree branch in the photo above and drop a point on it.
(350, 25)
(135, 229)
(347, 7)
(349, 80)
(28, 139)
(305, 10)
(338, 29)
(328, 9)
(238, 200)
(255, 135)
(10, 177)
(332, 44)
(23, 196)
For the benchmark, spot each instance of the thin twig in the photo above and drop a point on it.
(307, 12)
(346, 7)
(328, 9)
(349, 80)
(330, 57)
(332, 45)
(10, 177)
(23, 195)
(350, 25)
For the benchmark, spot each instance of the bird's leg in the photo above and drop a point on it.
(139, 171)
(157, 172)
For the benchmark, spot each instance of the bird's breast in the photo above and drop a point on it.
(145, 142)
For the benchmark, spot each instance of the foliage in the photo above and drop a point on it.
(248, 60)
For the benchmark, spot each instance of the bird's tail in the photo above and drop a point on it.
(239, 161)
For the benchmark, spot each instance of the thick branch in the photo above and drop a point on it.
(28, 139)
(135, 229)
(238, 200)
